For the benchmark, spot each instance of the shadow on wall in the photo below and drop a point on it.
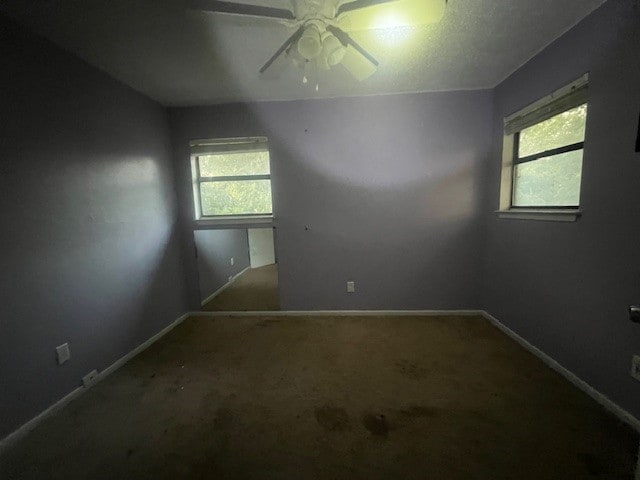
(105, 290)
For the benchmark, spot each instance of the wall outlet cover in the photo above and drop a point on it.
(90, 378)
(635, 367)
(232, 261)
(63, 353)
(351, 286)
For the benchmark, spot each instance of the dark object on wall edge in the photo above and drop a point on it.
(638, 137)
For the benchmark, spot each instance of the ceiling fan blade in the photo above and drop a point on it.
(357, 65)
(358, 4)
(346, 40)
(216, 6)
(292, 39)
(360, 63)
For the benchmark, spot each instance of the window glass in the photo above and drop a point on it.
(549, 181)
(234, 164)
(564, 129)
(243, 197)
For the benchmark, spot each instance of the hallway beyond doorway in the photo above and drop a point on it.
(254, 290)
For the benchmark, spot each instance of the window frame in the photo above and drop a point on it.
(201, 148)
(564, 99)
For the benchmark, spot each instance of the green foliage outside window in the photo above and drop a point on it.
(549, 181)
(234, 163)
(564, 129)
(553, 180)
(236, 196)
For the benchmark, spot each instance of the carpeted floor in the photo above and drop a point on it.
(367, 398)
(256, 290)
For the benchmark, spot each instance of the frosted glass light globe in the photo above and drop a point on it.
(309, 44)
(332, 49)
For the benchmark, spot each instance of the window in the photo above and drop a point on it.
(548, 161)
(231, 178)
(543, 148)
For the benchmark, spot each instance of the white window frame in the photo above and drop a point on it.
(563, 99)
(226, 145)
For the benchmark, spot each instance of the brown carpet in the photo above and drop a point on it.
(329, 398)
(256, 290)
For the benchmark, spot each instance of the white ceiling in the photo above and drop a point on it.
(181, 57)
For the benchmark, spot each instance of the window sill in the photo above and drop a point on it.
(544, 215)
(232, 222)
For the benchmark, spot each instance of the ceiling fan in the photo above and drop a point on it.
(321, 41)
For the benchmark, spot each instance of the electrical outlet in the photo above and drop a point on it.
(90, 378)
(232, 261)
(635, 367)
(351, 286)
(63, 353)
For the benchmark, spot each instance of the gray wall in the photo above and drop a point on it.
(388, 186)
(89, 250)
(566, 287)
(215, 249)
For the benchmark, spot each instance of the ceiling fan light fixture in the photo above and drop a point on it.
(310, 44)
(333, 50)
(320, 40)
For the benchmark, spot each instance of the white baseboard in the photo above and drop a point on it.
(34, 422)
(342, 313)
(603, 400)
(140, 348)
(222, 288)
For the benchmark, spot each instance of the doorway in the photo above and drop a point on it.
(237, 269)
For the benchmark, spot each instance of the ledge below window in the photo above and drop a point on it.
(544, 215)
(232, 222)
